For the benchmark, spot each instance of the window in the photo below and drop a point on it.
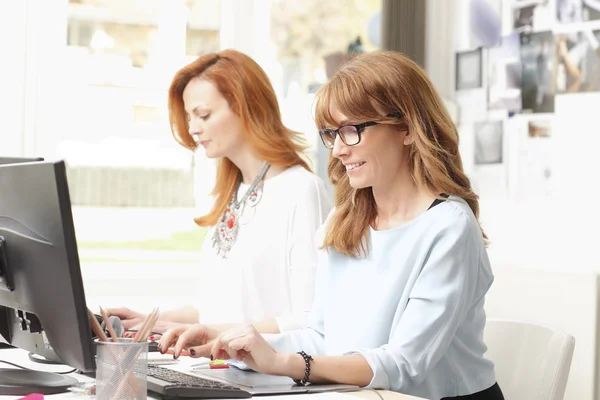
(122, 55)
(311, 38)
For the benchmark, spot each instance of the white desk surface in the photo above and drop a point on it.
(20, 357)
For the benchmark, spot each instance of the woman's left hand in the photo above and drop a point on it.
(247, 344)
(159, 328)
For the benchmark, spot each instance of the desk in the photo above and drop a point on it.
(20, 357)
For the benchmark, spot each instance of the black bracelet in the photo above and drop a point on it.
(307, 360)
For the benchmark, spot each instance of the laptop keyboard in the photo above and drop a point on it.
(179, 384)
(179, 378)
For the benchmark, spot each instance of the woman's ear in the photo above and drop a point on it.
(408, 138)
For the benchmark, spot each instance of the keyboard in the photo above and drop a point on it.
(175, 384)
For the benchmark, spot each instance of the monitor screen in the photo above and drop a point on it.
(42, 302)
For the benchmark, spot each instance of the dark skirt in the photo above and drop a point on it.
(491, 393)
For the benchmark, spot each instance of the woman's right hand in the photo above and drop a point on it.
(197, 339)
(128, 317)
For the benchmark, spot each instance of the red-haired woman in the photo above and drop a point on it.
(260, 253)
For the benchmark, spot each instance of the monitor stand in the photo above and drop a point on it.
(21, 382)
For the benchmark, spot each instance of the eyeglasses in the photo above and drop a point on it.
(350, 134)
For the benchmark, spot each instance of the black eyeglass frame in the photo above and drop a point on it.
(359, 128)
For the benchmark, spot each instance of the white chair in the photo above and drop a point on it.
(532, 361)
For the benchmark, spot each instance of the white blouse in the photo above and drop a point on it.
(270, 271)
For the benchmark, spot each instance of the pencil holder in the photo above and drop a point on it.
(121, 370)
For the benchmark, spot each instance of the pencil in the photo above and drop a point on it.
(102, 337)
(142, 333)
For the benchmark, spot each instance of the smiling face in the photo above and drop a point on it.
(378, 159)
(211, 121)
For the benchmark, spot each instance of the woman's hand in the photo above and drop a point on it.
(247, 344)
(197, 339)
(159, 328)
(129, 318)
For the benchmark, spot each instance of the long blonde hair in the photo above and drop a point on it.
(369, 87)
(247, 89)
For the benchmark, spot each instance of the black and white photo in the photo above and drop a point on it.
(489, 147)
(574, 11)
(469, 69)
(532, 15)
(538, 62)
(591, 10)
(569, 11)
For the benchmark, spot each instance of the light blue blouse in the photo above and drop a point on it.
(413, 308)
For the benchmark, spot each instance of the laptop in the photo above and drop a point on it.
(258, 384)
(173, 382)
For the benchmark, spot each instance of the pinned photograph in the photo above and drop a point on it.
(540, 129)
(532, 15)
(538, 59)
(591, 10)
(469, 70)
(488, 142)
(569, 11)
(578, 57)
(505, 75)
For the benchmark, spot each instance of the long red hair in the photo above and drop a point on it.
(247, 89)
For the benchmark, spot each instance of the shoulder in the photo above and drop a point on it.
(302, 193)
(302, 184)
(302, 178)
(453, 220)
(322, 231)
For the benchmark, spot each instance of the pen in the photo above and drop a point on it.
(212, 366)
(206, 362)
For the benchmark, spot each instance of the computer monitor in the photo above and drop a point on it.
(42, 301)
(17, 160)
(4, 161)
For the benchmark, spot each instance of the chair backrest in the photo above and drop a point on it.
(532, 361)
